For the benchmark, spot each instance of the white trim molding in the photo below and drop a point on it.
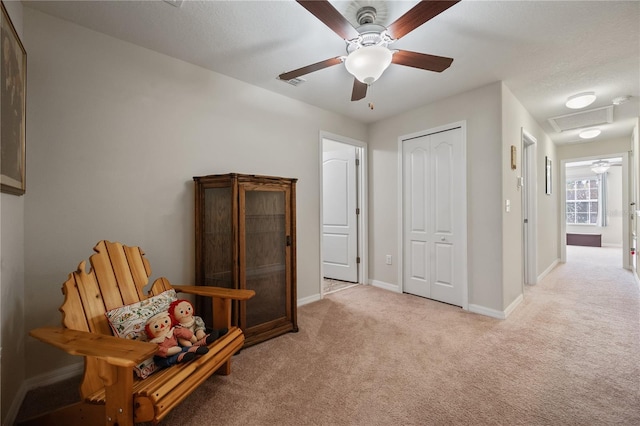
(309, 299)
(512, 307)
(530, 206)
(363, 202)
(548, 270)
(38, 381)
(386, 286)
(483, 310)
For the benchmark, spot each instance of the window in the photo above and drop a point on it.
(582, 201)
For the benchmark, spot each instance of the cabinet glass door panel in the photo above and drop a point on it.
(264, 268)
(218, 237)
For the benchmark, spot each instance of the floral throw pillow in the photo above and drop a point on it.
(128, 322)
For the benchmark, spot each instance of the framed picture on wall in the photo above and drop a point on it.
(13, 90)
(547, 175)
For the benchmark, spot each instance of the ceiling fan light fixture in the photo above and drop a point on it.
(600, 166)
(581, 100)
(589, 133)
(368, 63)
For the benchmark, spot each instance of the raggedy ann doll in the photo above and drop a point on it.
(181, 312)
(174, 343)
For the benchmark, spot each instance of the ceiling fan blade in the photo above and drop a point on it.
(421, 60)
(418, 15)
(310, 68)
(325, 12)
(359, 90)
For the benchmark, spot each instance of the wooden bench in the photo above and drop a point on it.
(111, 393)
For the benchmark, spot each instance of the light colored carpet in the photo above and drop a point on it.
(568, 355)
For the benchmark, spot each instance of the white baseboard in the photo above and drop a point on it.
(386, 286)
(55, 376)
(15, 405)
(39, 381)
(309, 299)
(483, 310)
(513, 305)
(472, 308)
(548, 270)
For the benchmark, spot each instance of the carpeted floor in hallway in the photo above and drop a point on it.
(567, 355)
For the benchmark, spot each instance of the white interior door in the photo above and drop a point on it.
(340, 231)
(433, 185)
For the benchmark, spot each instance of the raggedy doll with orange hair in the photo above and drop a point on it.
(181, 312)
(174, 343)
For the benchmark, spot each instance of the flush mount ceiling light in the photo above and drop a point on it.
(600, 166)
(368, 63)
(589, 133)
(581, 100)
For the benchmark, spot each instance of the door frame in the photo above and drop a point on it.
(362, 203)
(463, 205)
(530, 201)
(626, 231)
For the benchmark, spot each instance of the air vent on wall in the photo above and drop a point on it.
(582, 119)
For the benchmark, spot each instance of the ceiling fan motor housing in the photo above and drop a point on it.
(366, 15)
(370, 35)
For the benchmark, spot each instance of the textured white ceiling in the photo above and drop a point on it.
(544, 51)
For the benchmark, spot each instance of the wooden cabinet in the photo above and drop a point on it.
(246, 238)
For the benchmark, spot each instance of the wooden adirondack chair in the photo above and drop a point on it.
(111, 394)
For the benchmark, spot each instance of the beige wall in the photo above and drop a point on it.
(481, 110)
(117, 132)
(515, 118)
(594, 149)
(495, 119)
(12, 333)
(512, 118)
(548, 209)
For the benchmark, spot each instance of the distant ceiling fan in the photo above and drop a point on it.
(367, 46)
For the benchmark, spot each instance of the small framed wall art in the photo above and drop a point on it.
(13, 90)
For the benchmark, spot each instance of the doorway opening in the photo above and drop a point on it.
(343, 216)
(595, 206)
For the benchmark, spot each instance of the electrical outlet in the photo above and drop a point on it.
(388, 259)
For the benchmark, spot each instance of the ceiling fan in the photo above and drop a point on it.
(367, 46)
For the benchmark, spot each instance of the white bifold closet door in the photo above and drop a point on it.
(432, 189)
